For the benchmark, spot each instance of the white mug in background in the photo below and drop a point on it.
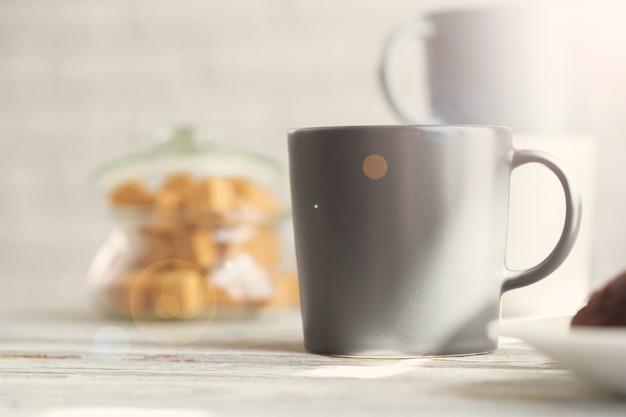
(517, 66)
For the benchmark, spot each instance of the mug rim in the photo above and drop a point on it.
(479, 10)
(399, 126)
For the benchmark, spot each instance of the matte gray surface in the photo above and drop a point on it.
(411, 263)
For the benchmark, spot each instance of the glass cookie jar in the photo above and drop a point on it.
(198, 233)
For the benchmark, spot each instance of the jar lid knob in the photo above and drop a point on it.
(186, 138)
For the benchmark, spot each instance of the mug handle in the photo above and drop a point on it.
(419, 29)
(571, 226)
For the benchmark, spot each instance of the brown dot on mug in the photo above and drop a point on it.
(375, 166)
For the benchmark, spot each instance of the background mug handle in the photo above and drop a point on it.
(419, 29)
(571, 225)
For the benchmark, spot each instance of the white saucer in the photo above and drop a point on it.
(598, 354)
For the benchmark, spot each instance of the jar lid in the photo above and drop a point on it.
(186, 149)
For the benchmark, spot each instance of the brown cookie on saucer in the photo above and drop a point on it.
(606, 307)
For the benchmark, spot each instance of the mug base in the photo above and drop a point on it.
(402, 356)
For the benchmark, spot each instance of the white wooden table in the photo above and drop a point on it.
(55, 363)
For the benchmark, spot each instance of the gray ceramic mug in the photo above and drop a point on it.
(401, 234)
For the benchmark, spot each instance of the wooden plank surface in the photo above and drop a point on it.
(54, 364)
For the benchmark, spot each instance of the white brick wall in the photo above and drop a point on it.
(84, 81)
